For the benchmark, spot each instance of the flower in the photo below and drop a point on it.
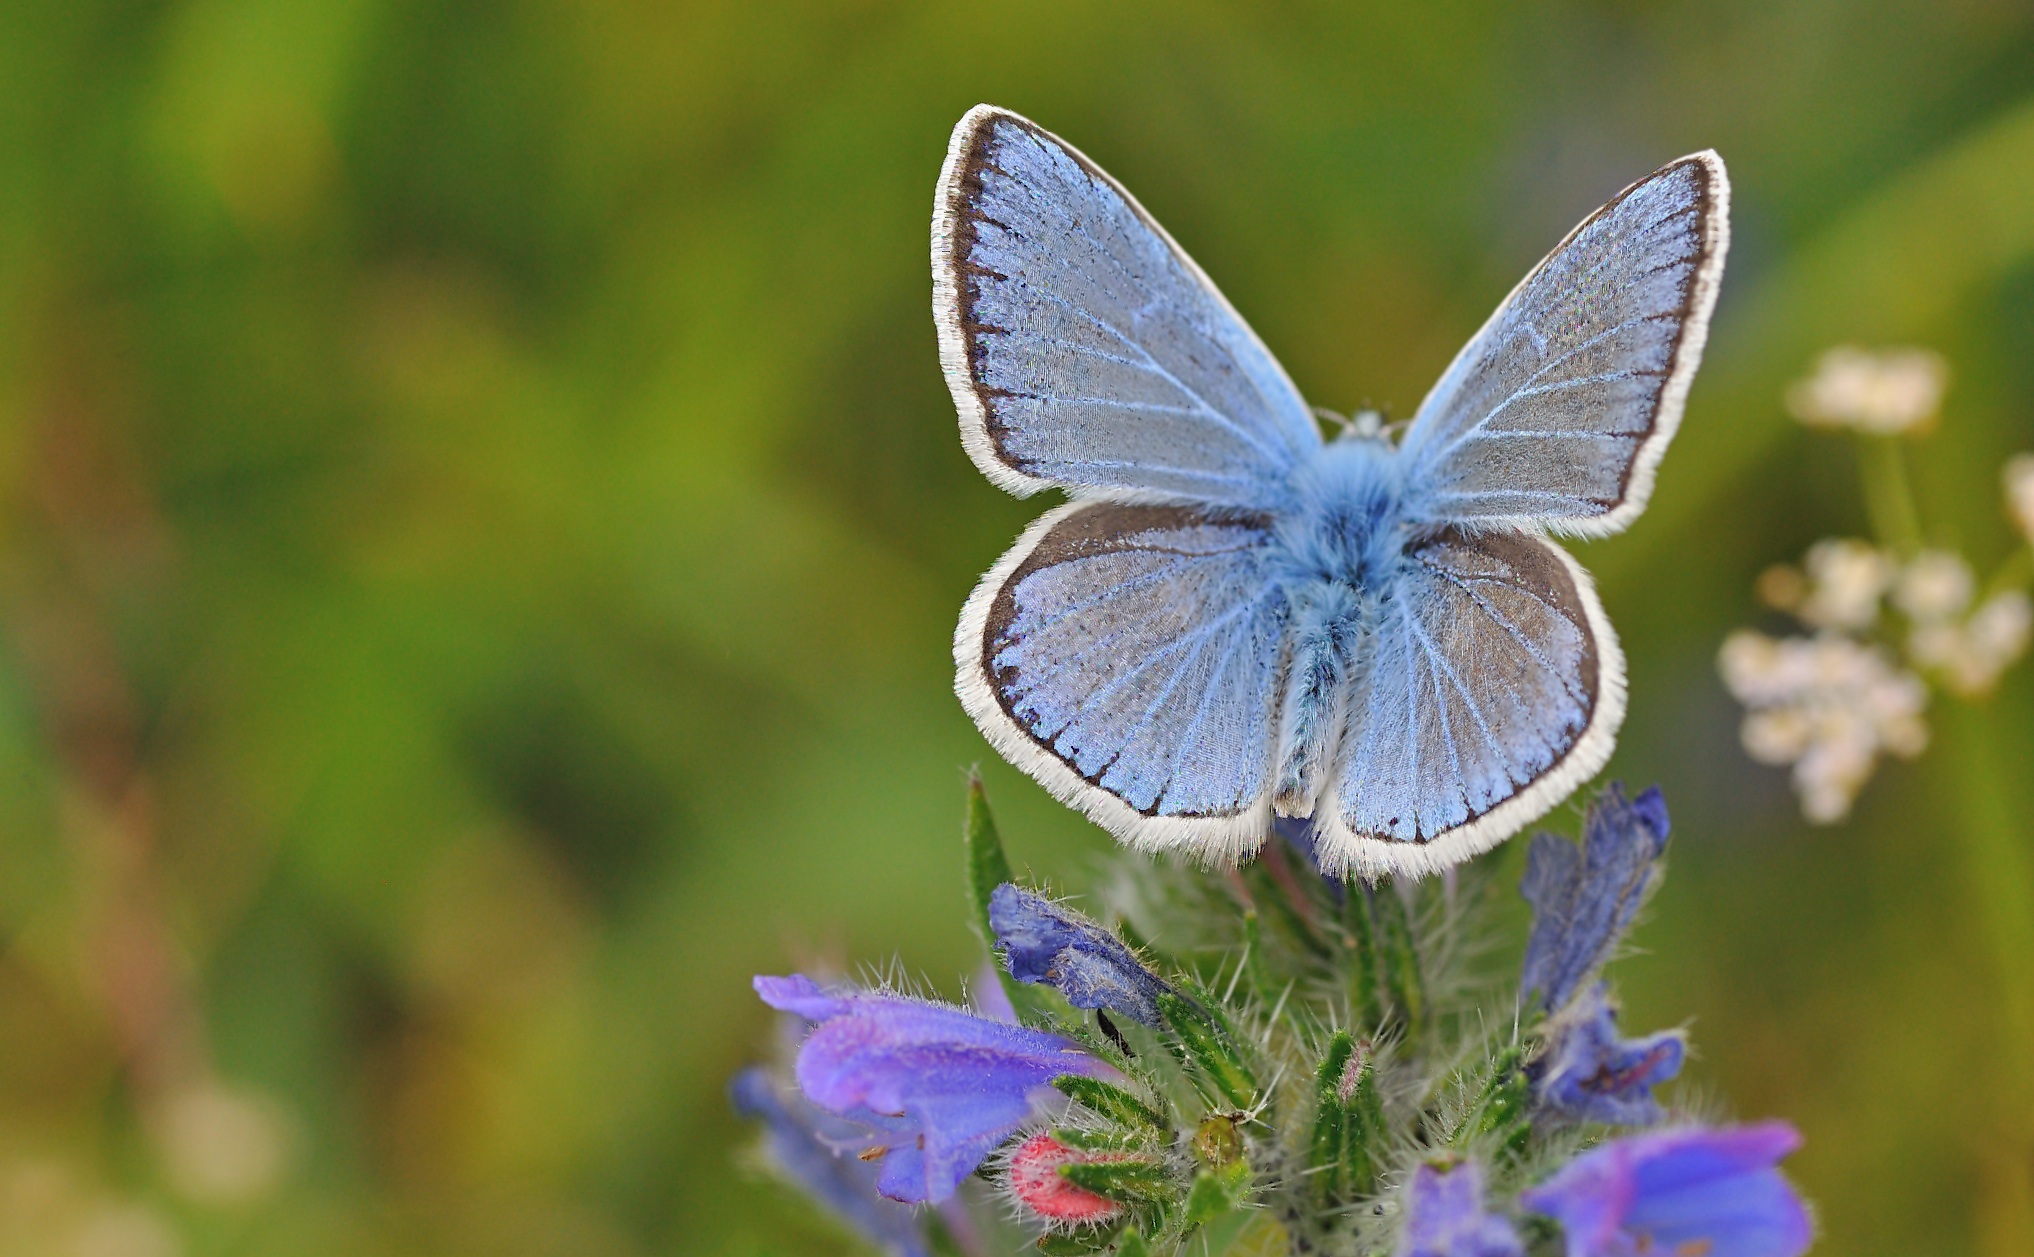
(1589, 1074)
(1691, 1192)
(1445, 1218)
(2019, 476)
(1935, 585)
(1845, 580)
(941, 1087)
(1046, 942)
(1036, 1180)
(1829, 705)
(1971, 656)
(1885, 393)
(810, 1149)
(1584, 897)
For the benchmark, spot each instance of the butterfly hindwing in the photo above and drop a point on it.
(1084, 349)
(1492, 685)
(1557, 412)
(1128, 657)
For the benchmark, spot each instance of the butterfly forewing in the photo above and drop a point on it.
(1083, 348)
(1559, 409)
(1128, 657)
(1494, 686)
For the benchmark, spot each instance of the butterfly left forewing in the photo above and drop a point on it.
(1493, 686)
(1128, 658)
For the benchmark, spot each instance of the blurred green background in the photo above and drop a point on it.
(481, 524)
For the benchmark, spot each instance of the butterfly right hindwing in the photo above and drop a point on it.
(1128, 657)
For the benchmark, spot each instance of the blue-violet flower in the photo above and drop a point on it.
(1584, 898)
(1445, 1218)
(1046, 942)
(1589, 1074)
(1691, 1192)
(811, 1149)
(939, 1086)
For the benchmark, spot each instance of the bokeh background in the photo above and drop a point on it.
(481, 524)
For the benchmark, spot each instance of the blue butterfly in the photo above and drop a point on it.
(1233, 619)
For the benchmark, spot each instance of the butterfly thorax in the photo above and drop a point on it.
(1345, 524)
(1339, 547)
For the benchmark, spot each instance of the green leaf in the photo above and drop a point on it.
(1401, 958)
(1262, 978)
(1209, 1045)
(1365, 1006)
(1132, 1245)
(1348, 1123)
(1504, 1108)
(1128, 1181)
(989, 868)
(1208, 1200)
(1110, 1101)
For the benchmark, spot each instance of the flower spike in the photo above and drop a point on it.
(1584, 897)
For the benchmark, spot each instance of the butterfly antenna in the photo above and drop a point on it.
(1328, 416)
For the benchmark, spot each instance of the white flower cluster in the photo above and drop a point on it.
(1885, 393)
(1829, 704)
(1832, 701)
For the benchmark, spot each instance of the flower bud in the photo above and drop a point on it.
(1063, 1182)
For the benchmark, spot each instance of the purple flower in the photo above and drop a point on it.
(937, 1087)
(1045, 942)
(1589, 1074)
(814, 1151)
(1445, 1218)
(1696, 1190)
(1584, 897)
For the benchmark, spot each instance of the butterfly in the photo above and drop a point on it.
(1234, 619)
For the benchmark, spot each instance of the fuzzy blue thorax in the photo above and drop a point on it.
(1339, 550)
(1346, 525)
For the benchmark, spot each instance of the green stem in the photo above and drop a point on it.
(2017, 572)
(1889, 499)
(2000, 876)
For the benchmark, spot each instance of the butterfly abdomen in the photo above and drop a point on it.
(1326, 624)
(1338, 550)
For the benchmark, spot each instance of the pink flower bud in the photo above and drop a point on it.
(1036, 1181)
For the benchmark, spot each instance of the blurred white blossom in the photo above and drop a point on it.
(1884, 392)
(1829, 705)
(1935, 585)
(223, 1145)
(1838, 586)
(1971, 655)
(2020, 492)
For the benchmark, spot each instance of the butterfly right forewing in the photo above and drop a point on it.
(1084, 349)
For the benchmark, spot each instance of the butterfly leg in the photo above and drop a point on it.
(1325, 629)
